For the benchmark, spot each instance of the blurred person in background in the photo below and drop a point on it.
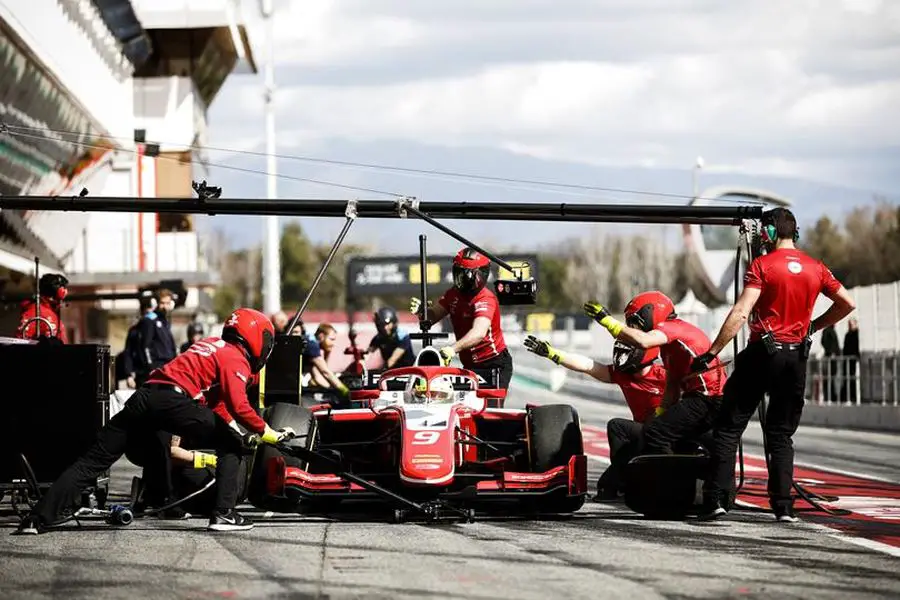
(851, 352)
(280, 320)
(832, 348)
(52, 289)
(391, 341)
(195, 332)
(150, 343)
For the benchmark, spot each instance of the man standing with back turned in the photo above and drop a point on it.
(780, 291)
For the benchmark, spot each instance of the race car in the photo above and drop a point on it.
(425, 442)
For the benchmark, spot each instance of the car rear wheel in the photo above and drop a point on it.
(278, 415)
(554, 438)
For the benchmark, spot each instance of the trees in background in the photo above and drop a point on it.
(241, 272)
(862, 250)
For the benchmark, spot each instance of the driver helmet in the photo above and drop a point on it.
(439, 391)
(470, 270)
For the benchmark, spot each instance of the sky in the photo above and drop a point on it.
(797, 97)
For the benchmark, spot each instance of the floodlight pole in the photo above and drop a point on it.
(271, 275)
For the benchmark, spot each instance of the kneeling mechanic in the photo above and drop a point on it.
(642, 383)
(173, 400)
(691, 399)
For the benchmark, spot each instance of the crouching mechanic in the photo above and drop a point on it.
(691, 399)
(314, 365)
(475, 315)
(173, 400)
(642, 383)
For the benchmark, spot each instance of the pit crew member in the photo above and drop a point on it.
(195, 332)
(780, 292)
(52, 289)
(314, 366)
(391, 341)
(173, 400)
(642, 383)
(475, 316)
(691, 400)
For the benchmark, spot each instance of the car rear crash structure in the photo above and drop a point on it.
(426, 458)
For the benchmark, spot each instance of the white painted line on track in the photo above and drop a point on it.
(866, 543)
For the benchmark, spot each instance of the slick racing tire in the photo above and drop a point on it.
(277, 416)
(554, 438)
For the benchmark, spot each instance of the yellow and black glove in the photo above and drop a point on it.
(599, 313)
(272, 436)
(203, 460)
(447, 353)
(542, 348)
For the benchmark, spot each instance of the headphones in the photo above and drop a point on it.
(770, 234)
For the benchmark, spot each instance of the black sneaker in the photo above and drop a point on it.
(229, 521)
(30, 525)
(711, 511)
(785, 515)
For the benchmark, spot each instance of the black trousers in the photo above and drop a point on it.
(151, 449)
(503, 362)
(783, 376)
(148, 409)
(688, 419)
(625, 438)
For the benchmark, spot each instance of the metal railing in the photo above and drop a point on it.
(871, 378)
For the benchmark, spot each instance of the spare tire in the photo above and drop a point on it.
(555, 437)
(278, 415)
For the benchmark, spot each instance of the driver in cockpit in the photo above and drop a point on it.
(440, 391)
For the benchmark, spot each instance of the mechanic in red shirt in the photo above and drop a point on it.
(173, 400)
(642, 383)
(475, 315)
(53, 291)
(780, 293)
(691, 400)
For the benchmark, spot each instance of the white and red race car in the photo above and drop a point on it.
(425, 442)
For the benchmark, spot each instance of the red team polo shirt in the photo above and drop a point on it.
(463, 310)
(216, 373)
(48, 312)
(643, 393)
(685, 342)
(790, 281)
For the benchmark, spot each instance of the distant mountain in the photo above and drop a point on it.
(811, 199)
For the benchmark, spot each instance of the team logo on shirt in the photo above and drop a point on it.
(794, 267)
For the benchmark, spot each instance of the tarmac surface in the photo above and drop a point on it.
(603, 551)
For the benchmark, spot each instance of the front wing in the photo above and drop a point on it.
(567, 481)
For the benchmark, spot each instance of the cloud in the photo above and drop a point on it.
(804, 88)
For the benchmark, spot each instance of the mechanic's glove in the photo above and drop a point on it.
(447, 353)
(343, 390)
(415, 307)
(542, 348)
(658, 411)
(271, 436)
(203, 460)
(599, 313)
(701, 363)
